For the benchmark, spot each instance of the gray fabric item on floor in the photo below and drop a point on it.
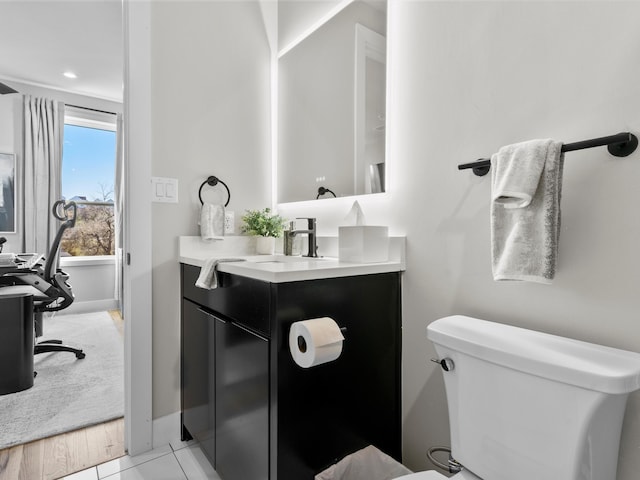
(368, 463)
(69, 393)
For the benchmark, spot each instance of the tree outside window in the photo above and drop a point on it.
(88, 172)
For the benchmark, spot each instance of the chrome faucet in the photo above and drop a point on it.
(311, 235)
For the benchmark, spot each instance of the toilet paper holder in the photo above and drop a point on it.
(302, 343)
(315, 341)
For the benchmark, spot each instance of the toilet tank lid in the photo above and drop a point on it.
(562, 359)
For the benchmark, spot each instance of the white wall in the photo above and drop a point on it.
(211, 108)
(295, 17)
(466, 78)
(93, 283)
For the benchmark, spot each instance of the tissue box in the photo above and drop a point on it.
(363, 244)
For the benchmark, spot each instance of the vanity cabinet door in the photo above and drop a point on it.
(242, 403)
(197, 377)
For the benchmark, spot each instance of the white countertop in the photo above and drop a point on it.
(281, 268)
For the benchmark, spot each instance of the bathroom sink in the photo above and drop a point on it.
(282, 259)
(283, 268)
(280, 268)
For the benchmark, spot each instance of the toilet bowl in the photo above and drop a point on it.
(527, 405)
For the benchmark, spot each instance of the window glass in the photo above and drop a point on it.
(88, 173)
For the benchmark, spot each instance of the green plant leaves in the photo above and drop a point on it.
(263, 223)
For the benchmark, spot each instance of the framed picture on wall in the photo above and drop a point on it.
(7, 193)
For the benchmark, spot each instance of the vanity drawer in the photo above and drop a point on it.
(243, 299)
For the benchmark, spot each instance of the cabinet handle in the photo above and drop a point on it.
(242, 327)
(209, 314)
(239, 325)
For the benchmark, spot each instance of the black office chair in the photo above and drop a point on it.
(47, 284)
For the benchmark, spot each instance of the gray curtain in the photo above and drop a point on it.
(119, 209)
(43, 134)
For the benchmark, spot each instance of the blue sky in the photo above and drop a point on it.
(88, 162)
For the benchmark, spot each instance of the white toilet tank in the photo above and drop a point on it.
(525, 405)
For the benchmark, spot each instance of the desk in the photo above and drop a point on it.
(24, 264)
(17, 334)
(16, 343)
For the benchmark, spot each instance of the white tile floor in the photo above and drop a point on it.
(176, 461)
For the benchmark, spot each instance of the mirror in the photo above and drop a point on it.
(331, 107)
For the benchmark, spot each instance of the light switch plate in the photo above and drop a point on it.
(164, 190)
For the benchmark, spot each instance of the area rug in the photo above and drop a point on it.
(69, 393)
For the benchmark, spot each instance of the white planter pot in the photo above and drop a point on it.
(265, 245)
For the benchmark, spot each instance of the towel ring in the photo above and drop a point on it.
(213, 181)
(322, 191)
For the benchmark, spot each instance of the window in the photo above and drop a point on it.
(88, 178)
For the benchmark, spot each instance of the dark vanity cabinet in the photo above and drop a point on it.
(241, 402)
(257, 414)
(197, 374)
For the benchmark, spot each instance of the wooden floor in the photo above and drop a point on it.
(60, 455)
(117, 320)
(54, 457)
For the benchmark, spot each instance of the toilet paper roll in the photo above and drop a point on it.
(315, 341)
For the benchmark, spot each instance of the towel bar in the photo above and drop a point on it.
(213, 181)
(619, 145)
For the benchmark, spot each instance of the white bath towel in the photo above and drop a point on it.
(208, 277)
(211, 221)
(526, 186)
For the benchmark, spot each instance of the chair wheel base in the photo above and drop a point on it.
(57, 346)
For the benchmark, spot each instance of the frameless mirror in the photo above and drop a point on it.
(331, 107)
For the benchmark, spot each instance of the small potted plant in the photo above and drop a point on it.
(266, 226)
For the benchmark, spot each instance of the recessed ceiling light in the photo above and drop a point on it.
(70, 75)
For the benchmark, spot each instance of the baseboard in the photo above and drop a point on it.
(91, 306)
(166, 429)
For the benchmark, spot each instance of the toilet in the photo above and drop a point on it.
(525, 405)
